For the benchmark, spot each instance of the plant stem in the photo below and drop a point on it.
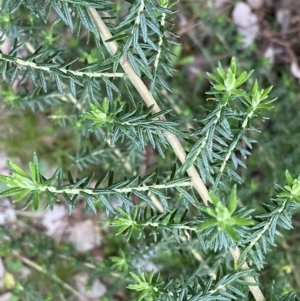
(23, 63)
(255, 290)
(90, 191)
(40, 269)
(173, 140)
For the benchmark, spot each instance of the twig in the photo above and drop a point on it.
(38, 268)
(255, 290)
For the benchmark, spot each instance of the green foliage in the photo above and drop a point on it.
(137, 125)
(222, 130)
(100, 95)
(223, 217)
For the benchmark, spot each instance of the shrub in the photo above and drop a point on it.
(167, 175)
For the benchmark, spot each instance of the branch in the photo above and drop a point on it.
(90, 191)
(40, 269)
(37, 66)
(255, 290)
(173, 140)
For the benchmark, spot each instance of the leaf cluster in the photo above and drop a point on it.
(138, 125)
(222, 140)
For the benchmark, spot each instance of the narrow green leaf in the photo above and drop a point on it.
(4, 69)
(144, 198)
(24, 77)
(152, 26)
(174, 170)
(242, 221)
(192, 155)
(12, 191)
(222, 73)
(232, 233)
(135, 36)
(207, 224)
(59, 12)
(28, 202)
(90, 204)
(51, 195)
(216, 201)
(58, 83)
(141, 54)
(35, 55)
(6, 179)
(124, 199)
(73, 87)
(105, 202)
(232, 66)
(35, 200)
(127, 46)
(143, 26)
(35, 165)
(265, 92)
(232, 200)
(101, 179)
(42, 80)
(19, 196)
(110, 84)
(14, 73)
(134, 63)
(58, 72)
(67, 15)
(88, 180)
(289, 179)
(86, 19)
(16, 168)
(244, 76)
(189, 197)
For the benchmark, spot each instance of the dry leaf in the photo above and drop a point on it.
(246, 21)
(84, 236)
(7, 212)
(6, 297)
(295, 70)
(97, 290)
(4, 170)
(24, 272)
(283, 17)
(146, 263)
(255, 4)
(55, 221)
(270, 54)
(5, 47)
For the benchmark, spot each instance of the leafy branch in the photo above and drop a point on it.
(21, 185)
(219, 135)
(29, 62)
(278, 214)
(224, 288)
(150, 101)
(121, 121)
(25, 68)
(222, 222)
